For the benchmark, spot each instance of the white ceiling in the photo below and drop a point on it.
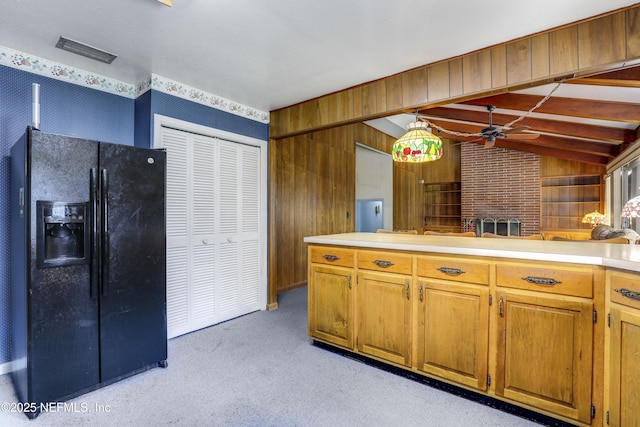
(272, 54)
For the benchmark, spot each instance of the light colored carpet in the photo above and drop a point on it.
(262, 370)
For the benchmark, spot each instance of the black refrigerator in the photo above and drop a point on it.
(88, 279)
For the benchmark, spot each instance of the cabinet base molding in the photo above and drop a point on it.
(483, 399)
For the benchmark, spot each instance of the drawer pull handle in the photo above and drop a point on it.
(629, 293)
(383, 264)
(536, 280)
(331, 257)
(451, 271)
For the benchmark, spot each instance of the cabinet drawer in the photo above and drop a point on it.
(549, 278)
(334, 256)
(466, 271)
(625, 289)
(385, 261)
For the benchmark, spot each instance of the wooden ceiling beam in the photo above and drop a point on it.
(607, 82)
(578, 130)
(548, 141)
(627, 77)
(552, 152)
(573, 107)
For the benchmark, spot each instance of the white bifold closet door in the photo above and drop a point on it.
(214, 257)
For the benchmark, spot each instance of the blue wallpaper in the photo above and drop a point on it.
(74, 110)
(156, 102)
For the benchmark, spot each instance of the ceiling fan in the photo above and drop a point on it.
(491, 133)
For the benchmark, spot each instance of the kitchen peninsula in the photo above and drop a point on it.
(549, 326)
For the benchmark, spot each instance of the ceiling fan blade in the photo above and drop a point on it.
(523, 136)
(516, 129)
(474, 140)
(468, 142)
(166, 2)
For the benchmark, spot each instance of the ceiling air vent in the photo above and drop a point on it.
(85, 50)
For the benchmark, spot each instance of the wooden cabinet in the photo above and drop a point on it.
(553, 278)
(453, 319)
(625, 368)
(442, 206)
(330, 295)
(385, 262)
(384, 316)
(453, 332)
(384, 306)
(565, 200)
(624, 348)
(521, 331)
(455, 269)
(331, 256)
(545, 336)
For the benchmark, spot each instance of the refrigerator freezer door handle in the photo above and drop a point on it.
(104, 259)
(95, 248)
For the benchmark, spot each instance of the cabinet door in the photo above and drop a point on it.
(625, 367)
(384, 316)
(453, 332)
(330, 305)
(545, 352)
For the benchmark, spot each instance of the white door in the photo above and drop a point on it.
(216, 229)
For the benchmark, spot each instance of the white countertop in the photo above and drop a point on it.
(621, 256)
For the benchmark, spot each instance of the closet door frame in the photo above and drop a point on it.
(181, 125)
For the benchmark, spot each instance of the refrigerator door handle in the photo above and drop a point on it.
(95, 243)
(104, 195)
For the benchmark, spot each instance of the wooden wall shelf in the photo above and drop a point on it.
(565, 200)
(442, 206)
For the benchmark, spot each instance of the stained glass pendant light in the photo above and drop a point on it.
(417, 145)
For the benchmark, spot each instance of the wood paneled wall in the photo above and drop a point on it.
(408, 191)
(312, 188)
(550, 166)
(597, 44)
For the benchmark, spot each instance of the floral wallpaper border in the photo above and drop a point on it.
(44, 67)
(184, 91)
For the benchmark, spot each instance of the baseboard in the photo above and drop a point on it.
(450, 388)
(291, 287)
(6, 368)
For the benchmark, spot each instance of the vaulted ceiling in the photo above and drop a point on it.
(270, 55)
(590, 119)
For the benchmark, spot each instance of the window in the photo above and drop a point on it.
(630, 189)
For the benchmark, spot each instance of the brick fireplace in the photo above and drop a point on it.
(498, 183)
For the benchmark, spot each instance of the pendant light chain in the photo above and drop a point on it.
(535, 107)
(450, 132)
